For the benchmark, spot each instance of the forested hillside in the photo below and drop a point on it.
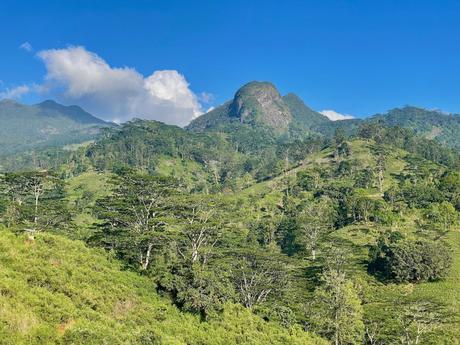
(268, 240)
(257, 123)
(445, 128)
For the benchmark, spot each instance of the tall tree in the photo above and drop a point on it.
(133, 218)
(315, 220)
(337, 310)
(200, 222)
(380, 166)
(442, 215)
(418, 319)
(259, 274)
(36, 200)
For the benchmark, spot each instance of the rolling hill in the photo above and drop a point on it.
(211, 208)
(444, 128)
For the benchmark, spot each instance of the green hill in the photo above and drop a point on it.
(284, 247)
(258, 104)
(47, 124)
(384, 302)
(304, 116)
(444, 128)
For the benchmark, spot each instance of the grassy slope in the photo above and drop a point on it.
(446, 292)
(88, 186)
(184, 170)
(57, 291)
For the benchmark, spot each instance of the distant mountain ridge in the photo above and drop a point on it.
(259, 104)
(258, 114)
(431, 124)
(73, 112)
(46, 124)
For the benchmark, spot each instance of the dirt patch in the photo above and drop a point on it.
(64, 326)
(121, 308)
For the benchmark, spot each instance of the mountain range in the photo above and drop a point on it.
(256, 105)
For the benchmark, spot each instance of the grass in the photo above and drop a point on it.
(75, 147)
(82, 193)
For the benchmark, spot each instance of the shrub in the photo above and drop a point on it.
(409, 260)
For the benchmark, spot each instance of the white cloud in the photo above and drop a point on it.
(15, 92)
(335, 116)
(26, 46)
(75, 75)
(206, 97)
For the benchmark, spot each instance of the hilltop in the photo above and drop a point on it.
(432, 124)
(259, 104)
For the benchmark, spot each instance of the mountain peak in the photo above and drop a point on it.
(304, 116)
(47, 124)
(49, 103)
(260, 103)
(258, 86)
(74, 112)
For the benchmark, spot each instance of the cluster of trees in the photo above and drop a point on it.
(33, 201)
(186, 243)
(189, 247)
(406, 260)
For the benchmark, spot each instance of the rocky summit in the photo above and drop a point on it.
(256, 104)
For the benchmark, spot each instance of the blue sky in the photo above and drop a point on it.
(355, 57)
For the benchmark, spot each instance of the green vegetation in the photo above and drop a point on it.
(411, 261)
(430, 123)
(43, 125)
(57, 291)
(240, 231)
(258, 104)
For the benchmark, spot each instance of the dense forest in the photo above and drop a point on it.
(154, 234)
